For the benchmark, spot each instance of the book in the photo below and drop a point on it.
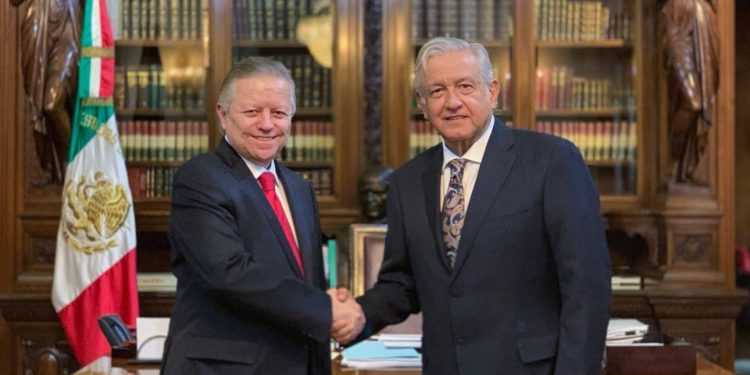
(156, 282)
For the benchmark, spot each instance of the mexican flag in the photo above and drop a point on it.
(95, 268)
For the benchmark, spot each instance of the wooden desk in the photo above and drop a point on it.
(703, 367)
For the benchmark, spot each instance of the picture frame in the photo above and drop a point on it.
(366, 251)
(367, 246)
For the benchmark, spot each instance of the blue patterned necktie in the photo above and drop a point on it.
(453, 209)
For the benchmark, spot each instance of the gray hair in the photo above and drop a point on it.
(254, 66)
(440, 45)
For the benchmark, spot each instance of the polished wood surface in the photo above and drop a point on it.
(703, 367)
(700, 318)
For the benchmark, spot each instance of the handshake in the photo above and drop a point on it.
(348, 318)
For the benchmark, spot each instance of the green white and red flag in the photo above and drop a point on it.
(95, 264)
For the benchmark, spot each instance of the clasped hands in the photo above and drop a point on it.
(348, 318)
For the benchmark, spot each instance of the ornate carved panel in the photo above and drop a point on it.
(693, 250)
(42, 349)
(43, 250)
(37, 258)
(38, 183)
(373, 116)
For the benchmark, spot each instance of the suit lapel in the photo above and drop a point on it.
(247, 180)
(431, 186)
(496, 164)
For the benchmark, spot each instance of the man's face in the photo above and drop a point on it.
(456, 100)
(259, 118)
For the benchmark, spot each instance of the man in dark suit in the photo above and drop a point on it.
(245, 239)
(495, 235)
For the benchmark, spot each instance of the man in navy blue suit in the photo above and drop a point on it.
(245, 238)
(495, 235)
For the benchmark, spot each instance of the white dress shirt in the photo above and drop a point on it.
(473, 158)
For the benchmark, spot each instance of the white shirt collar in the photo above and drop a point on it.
(256, 169)
(476, 151)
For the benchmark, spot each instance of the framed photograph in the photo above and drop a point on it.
(367, 246)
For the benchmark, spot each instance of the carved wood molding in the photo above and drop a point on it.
(630, 304)
(37, 307)
(373, 81)
(697, 304)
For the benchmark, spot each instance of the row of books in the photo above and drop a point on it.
(467, 19)
(320, 179)
(312, 80)
(310, 141)
(581, 20)
(151, 182)
(268, 19)
(163, 19)
(148, 141)
(422, 136)
(156, 182)
(614, 141)
(558, 88)
(151, 87)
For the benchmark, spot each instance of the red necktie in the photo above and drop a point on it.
(268, 183)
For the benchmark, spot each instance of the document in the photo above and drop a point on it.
(372, 354)
(625, 332)
(395, 340)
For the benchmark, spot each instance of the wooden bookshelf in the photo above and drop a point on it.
(696, 299)
(176, 43)
(610, 43)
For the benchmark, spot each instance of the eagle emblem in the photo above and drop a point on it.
(94, 211)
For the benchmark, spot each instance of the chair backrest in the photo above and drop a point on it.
(366, 249)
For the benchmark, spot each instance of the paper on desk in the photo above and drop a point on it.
(398, 337)
(385, 364)
(625, 327)
(393, 340)
(626, 332)
(151, 333)
(375, 350)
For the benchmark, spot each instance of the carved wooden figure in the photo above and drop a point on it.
(692, 49)
(50, 37)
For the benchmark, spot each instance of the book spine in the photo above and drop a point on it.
(417, 19)
(127, 19)
(144, 28)
(135, 19)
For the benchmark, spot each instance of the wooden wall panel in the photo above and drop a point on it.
(725, 133)
(742, 124)
(9, 70)
(8, 109)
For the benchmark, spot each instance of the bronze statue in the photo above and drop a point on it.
(50, 35)
(692, 47)
(373, 190)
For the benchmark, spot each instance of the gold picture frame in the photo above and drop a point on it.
(367, 245)
(366, 250)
